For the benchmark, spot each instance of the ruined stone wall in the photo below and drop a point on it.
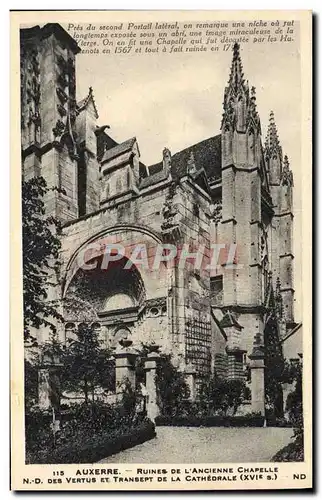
(126, 224)
(186, 291)
(193, 328)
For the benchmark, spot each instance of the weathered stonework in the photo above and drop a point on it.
(226, 189)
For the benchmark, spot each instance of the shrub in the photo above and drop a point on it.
(93, 421)
(221, 396)
(251, 420)
(31, 384)
(293, 452)
(38, 431)
(88, 449)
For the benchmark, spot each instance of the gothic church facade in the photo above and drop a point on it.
(229, 188)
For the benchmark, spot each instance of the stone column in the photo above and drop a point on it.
(125, 357)
(49, 383)
(150, 366)
(44, 388)
(190, 376)
(257, 368)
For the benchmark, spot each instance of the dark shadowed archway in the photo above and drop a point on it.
(108, 289)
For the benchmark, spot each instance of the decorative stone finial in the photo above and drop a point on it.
(272, 143)
(191, 165)
(258, 347)
(236, 77)
(166, 153)
(152, 347)
(287, 174)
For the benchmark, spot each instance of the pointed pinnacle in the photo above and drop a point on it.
(286, 163)
(191, 156)
(272, 139)
(236, 77)
(191, 165)
(253, 97)
(287, 175)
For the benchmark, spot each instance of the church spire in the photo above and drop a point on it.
(240, 111)
(273, 153)
(236, 78)
(272, 143)
(236, 83)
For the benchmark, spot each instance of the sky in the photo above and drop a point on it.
(175, 100)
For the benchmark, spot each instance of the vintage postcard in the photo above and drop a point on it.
(161, 250)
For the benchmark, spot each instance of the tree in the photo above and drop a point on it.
(294, 402)
(31, 384)
(172, 389)
(41, 245)
(294, 451)
(86, 364)
(274, 369)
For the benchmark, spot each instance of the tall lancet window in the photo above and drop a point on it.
(241, 116)
(264, 262)
(107, 191)
(227, 141)
(251, 145)
(275, 169)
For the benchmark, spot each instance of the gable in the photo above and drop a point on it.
(207, 156)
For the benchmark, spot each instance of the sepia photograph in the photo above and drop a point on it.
(162, 249)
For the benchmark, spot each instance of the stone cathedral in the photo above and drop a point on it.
(229, 188)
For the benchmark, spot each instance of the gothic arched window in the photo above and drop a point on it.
(251, 145)
(118, 185)
(275, 168)
(227, 141)
(107, 190)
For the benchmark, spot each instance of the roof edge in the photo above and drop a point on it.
(48, 30)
